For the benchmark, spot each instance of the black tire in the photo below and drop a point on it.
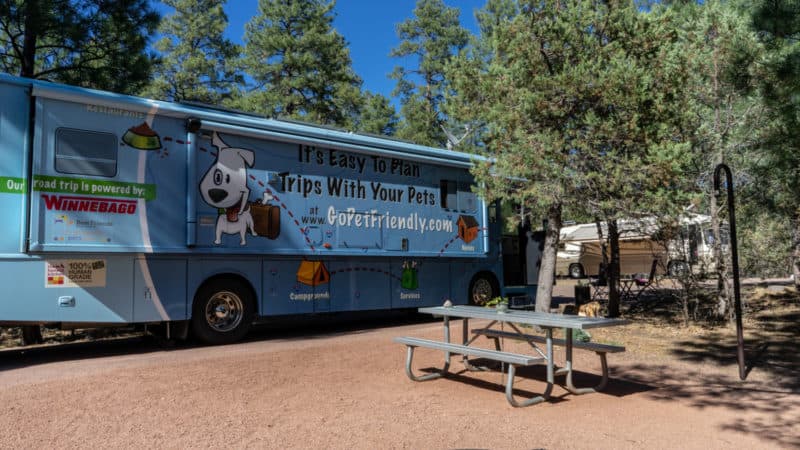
(576, 271)
(222, 311)
(677, 268)
(482, 288)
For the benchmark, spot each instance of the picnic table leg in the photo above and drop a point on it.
(430, 376)
(550, 378)
(550, 363)
(570, 386)
(568, 350)
(467, 341)
(528, 402)
(447, 339)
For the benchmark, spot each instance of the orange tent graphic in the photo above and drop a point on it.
(313, 273)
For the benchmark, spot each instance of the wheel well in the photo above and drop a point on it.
(576, 264)
(227, 276)
(484, 274)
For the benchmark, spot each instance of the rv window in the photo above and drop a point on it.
(709, 235)
(86, 152)
(467, 200)
(447, 193)
(457, 196)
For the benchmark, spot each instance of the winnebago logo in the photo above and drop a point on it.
(94, 204)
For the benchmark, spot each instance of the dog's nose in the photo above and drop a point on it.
(217, 195)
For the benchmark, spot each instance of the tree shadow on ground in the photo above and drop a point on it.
(767, 411)
(771, 332)
(767, 397)
(531, 381)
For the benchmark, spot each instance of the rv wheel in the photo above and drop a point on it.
(223, 311)
(482, 289)
(575, 271)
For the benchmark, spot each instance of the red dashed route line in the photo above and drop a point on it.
(453, 239)
(177, 141)
(166, 139)
(365, 269)
(163, 151)
(214, 154)
(289, 212)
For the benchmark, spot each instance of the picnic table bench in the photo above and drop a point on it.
(512, 359)
(600, 349)
(513, 317)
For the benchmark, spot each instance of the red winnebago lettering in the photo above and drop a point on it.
(94, 204)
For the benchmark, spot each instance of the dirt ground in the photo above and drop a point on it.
(342, 385)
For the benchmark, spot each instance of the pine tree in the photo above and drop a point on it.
(494, 15)
(582, 102)
(299, 65)
(778, 24)
(197, 61)
(91, 43)
(432, 37)
(377, 116)
(723, 53)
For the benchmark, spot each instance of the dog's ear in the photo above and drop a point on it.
(247, 155)
(217, 141)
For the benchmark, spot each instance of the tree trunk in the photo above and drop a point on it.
(613, 270)
(720, 259)
(32, 22)
(723, 283)
(796, 252)
(544, 291)
(603, 247)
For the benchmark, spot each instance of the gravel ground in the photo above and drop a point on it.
(343, 386)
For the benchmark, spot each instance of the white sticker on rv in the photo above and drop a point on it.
(75, 273)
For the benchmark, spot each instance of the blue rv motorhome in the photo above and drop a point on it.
(123, 210)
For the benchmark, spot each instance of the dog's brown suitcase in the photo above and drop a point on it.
(266, 219)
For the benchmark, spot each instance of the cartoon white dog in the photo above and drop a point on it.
(225, 186)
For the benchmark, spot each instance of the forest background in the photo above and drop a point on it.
(608, 109)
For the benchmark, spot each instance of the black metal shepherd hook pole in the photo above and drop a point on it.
(735, 262)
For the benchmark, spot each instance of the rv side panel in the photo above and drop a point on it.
(14, 151)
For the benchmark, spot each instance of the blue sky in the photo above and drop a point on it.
(368, 26)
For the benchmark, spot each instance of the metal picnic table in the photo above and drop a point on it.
(514, 318)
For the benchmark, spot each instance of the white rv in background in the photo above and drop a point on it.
(691, 246)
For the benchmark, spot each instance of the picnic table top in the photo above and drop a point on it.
(541, 319)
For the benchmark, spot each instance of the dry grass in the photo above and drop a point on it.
(771, 330)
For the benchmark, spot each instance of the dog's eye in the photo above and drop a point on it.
(227, 179)
(217, 177)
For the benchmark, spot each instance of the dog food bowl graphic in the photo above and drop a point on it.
(142, 137)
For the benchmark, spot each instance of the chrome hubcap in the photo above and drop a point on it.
(224, 311)
(481, 292)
